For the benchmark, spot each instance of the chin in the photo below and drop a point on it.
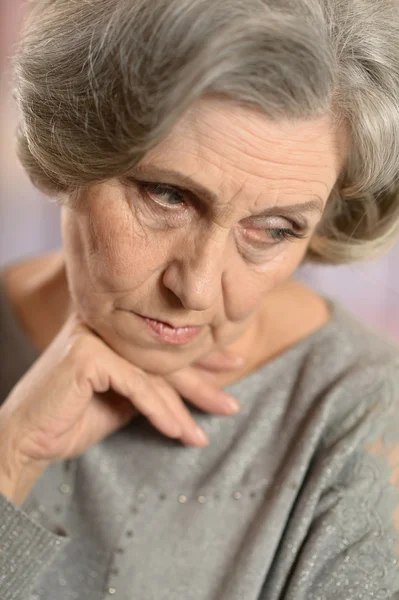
(157, 361)
(130, 343)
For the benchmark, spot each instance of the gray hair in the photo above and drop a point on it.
(98, 83)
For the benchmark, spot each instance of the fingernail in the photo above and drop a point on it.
(233, 405)
(201, 436)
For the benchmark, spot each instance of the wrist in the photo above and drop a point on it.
(18, 489)
(17, 475)
(17, 486)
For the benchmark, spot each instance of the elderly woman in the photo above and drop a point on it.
(200, 152)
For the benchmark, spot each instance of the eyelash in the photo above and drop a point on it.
(279, 235)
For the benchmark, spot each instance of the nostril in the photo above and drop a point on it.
(197, 286)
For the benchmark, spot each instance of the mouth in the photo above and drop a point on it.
(170, 334)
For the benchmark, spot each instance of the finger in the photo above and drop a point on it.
(220, 361)
(134, 384)
(110, 412)
(153, 406)
(191, 432)
(212, 377)
(203, 394)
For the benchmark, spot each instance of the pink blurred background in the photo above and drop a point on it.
(29, 223)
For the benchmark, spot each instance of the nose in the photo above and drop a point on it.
(195, 276)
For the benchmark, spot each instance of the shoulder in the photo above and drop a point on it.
(327, 344)
(333, 340)
(30, 287)
(360, 367)
(352, 483)
(354, 375)
(343, 370)
(296, 317)
(22, 277)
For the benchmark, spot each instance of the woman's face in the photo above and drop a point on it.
(155, 245)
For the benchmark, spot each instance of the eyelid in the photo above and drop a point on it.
(166, 186)
(189, 199)
(283, 222)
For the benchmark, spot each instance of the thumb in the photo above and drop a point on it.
(220, 360)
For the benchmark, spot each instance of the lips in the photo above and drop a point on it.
(170, 324)
(172, 335)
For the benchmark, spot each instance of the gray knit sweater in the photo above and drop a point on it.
(295, 498)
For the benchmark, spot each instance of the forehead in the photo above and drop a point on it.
(233, 149)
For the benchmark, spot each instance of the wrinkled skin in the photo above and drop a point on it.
(176, 257)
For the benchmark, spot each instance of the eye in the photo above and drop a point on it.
(273, 236)
(285, 234)
(167, 196)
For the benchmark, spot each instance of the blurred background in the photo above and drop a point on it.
(29, 223)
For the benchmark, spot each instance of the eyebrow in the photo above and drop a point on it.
(186, 183)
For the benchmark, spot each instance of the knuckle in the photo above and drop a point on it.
(80, 358)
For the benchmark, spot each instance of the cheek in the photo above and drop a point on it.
(287, 263)
(108, 250)
(250, 287)
(109, 263)
(116, 251)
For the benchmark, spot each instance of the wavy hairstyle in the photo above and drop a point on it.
(98, 83)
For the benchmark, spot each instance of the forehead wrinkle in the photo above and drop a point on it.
(207, 153)
(283, 156)
(295, 166)
(249, 124)
(292, 160)
(263, 171)
(282, 181)
(273, 190)
(286, 158)
(214, 122)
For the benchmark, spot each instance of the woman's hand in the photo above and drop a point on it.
(80, 391)
(197, 382)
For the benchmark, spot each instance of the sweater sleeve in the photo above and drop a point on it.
(26, 550)
(349, 547)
